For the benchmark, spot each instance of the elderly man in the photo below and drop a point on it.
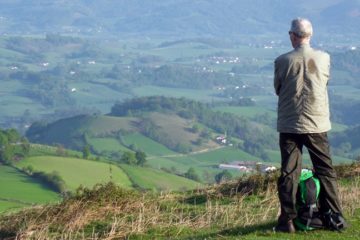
(300, 81)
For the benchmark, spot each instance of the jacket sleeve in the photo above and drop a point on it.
(277, 78)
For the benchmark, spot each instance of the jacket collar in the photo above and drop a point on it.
(303, 45)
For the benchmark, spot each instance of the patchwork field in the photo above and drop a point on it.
(76, 172)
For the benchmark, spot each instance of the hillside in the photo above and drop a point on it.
(245, 208)
(176, 134)
(174, 18)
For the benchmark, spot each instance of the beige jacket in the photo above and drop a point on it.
(300, 81)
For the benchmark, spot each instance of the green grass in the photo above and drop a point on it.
(40, 150)
(176, 127)
(248, 112)
(6, 206)
(276, 158)
(102, 125)
(106, 144)
(261, 231)
(18, 190)
(147, 178)
(226, 154)
(76, 172)
(346, 91)
(167, 162)
(336, 127)
(200, 95)
(147, 145)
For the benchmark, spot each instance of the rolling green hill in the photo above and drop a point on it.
(71, 132)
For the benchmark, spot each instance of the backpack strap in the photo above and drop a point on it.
(311, 213)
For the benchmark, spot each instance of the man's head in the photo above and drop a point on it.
(300, 32)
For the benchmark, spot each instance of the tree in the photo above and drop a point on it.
(60, 150)
(86, 151)
(223, 176)
(129, 158)
(140, 157)
(192, 174)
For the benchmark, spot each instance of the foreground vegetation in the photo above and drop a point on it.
(246, 207)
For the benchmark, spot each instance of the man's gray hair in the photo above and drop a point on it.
(301, 27)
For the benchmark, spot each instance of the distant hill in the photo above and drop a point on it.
(175, 18)
(181, 125)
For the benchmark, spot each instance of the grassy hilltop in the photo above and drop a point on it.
(244, 209)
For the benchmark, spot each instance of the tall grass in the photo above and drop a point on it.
(110, 212)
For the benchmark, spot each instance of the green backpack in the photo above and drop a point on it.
(307, 199)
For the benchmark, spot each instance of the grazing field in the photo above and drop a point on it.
(346, 91)
(249, 112)
(19, 190)
(149, 146)
(106, 144)
(177, 128)
(195, 94)
(76, 172)
(337, 127)
(226, 154)
(102, 125)
(167, 162)
(148, 178)
(276, 158)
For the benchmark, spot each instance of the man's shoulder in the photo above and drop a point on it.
(300, 53)
(285, 56)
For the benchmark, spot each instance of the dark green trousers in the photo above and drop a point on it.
(291, 146)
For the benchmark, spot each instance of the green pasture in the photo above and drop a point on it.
(206, 95)
(214, 157)
(104, 125)
(148, 178)
(208, 162)
(14, 105)
(276, 158)
(245, 111)
(175, 126)
(184, 51)
(76, 172)
(106, 144)
(11, 55)
(40, 150)
(267, 101)
(224, 155)
(18, 190)
(149, 146)
(346, 91)
(8, 206)
(337, 127)
(168, 162)
(96, 95)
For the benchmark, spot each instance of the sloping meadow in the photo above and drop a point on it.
(248, 207)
